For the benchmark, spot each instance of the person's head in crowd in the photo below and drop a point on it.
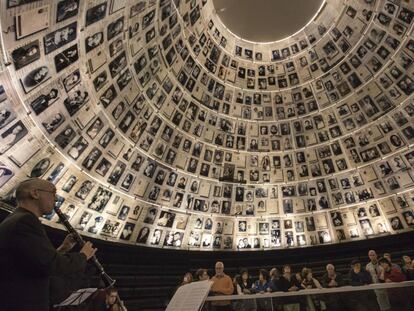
(330, 269)
(187, 279)
(36, 195)
(263, 276)
(219, 268)
(388, 257)
(385, 264)
(407, 261)
(274, 273)
(356, 265)
(111, 297)
(244, 275)
(373, 257)
(304, 271)
(286, 270)
(307, 275)
(202, 275)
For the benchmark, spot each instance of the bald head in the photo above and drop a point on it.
(330, 268)
(36, 195)
(219, 267)
(372, 255)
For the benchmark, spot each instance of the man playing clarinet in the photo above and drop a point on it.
(28, 259)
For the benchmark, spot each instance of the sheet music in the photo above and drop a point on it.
(190, 297)
(77, 297)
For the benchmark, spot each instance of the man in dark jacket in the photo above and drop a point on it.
(28, 258)
(333, 279)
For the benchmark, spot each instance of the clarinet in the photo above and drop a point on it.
(105, 277)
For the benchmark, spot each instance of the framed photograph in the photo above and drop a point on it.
(12, 135)
(66, 9)
(59, 38)
(32, 21)
(126, 232)
(35, 78)
(26, 54)
(75, 101)
(53, 122)
(100, 199)
(5, 174)
(115, 28)
(95, 13)
(7, 113)
(93, 41)
(40, 168)
(16, 3)
(70, 81)
(66, 58)
(44, 101)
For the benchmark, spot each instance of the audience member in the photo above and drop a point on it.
(408, 267)
(261, 286)
(397, 296)
(357, 275)
(394, 265)
(289, 283)
(245, 283)
(374, 268)
(187, 279)
(274, 280)
(222, 285)
(202, 275)
(309, 282)
(106, 300)
(390, 273)
(333, 279)
(244, 287)
(28, 258)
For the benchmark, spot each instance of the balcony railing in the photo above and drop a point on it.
(383, 296)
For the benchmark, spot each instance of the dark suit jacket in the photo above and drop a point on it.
(27, 261)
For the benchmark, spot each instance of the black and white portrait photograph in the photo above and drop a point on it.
(12, 135)
(100, 199)
(71, 80)
(7, 113)
(44, 101)
(66, 58)
(34, 78)
(93, 41)
(59, 38)
(66, 9)
(75, 101)
(127, 231)
(115, 28)
(40, 168)
(26, 54)
(6, 173)
(95, 13)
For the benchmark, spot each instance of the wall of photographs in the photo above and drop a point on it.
(160, 128)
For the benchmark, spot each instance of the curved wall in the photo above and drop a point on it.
(161, 128)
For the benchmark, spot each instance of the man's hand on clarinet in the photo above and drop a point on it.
(88, 250)
(68, 243)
